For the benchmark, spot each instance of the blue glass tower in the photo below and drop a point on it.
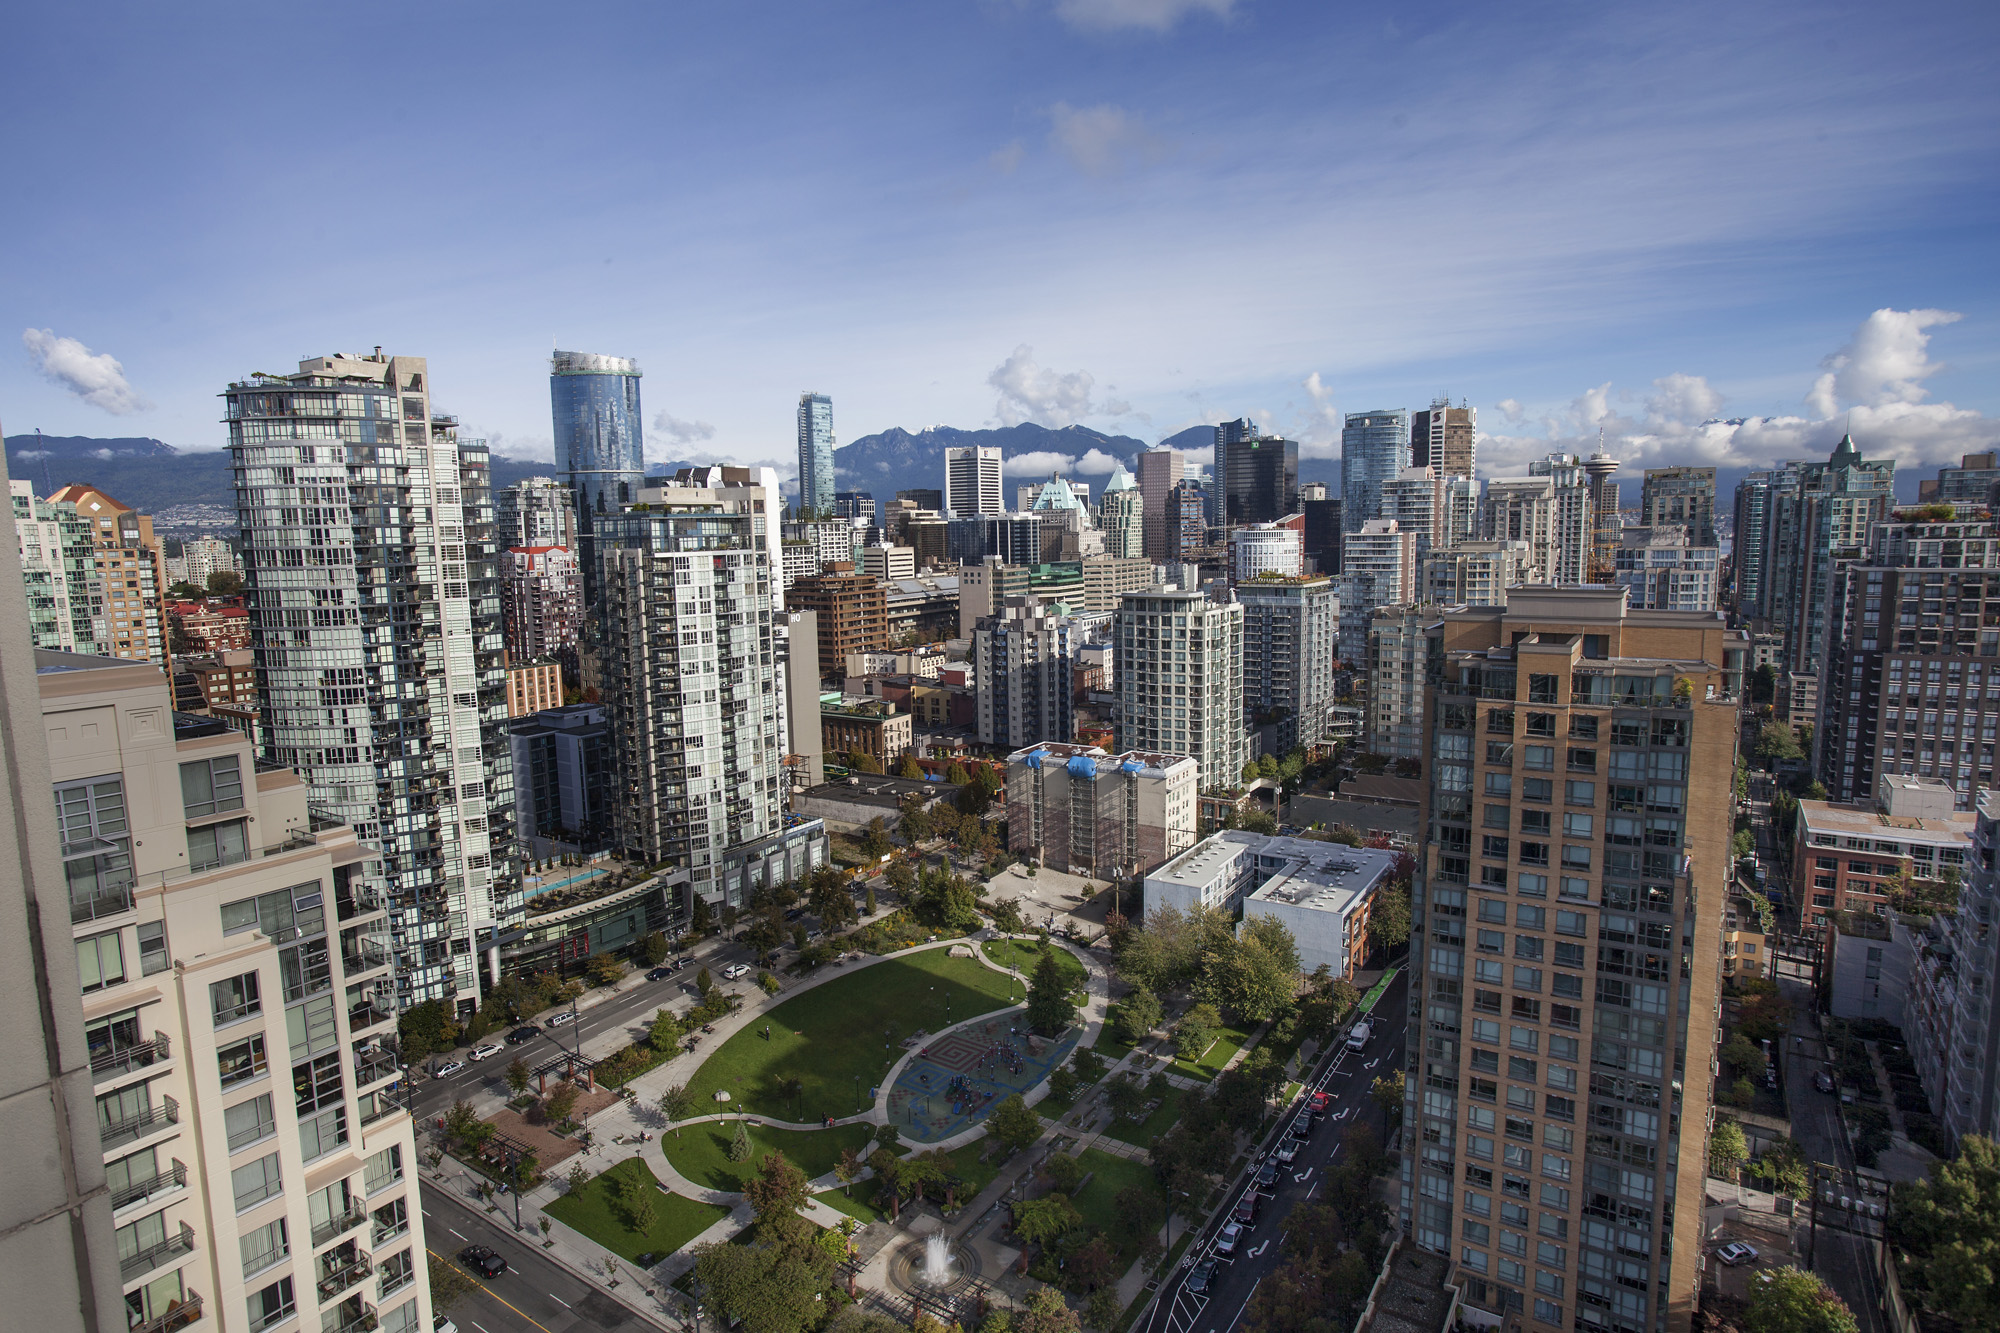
(1374, 447)
(600, 450)
(815, 454)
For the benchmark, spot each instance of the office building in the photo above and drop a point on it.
(816, 445)
(535, 511)
(691, 692)
(1579, 494)
(1028, 495)
(1816, 531)
(852, 614)
(1851, 856)
(1321, 891)
(1179, 666)
(1570, 901)
(542, 601)
(1442, 438)
(58, 571)
(1187, 523)
(972, 480)
(1661, 569)
(1266, 549)
(1121, 514)
(1291, 631)
(1320, 533)
(1023, 660)
(1159, 472)
(1107, 578)
(238, 1005)
(1378, 568)
(1260, 474)
(57, 1238)
(1458, 499)
(128, 578)
(532, 687)
(1076, 809)
(1911, 659)
(856, 505)
(1014, 538)
(1476, 573)
(600, 440)
(1397, 637)
(1683, 495)
(889, 562)
(564, 778)
(1374, 447)
(929, 501)
(377, 629)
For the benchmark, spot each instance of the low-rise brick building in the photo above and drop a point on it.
(1848, 857)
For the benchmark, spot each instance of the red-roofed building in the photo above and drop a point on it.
(212, 625)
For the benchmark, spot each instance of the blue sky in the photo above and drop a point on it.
(1136, 214)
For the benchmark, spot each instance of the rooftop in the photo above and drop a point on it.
(1322, 876)
(1841, 817)
(1062, 752)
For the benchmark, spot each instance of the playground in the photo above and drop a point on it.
(954, 1080)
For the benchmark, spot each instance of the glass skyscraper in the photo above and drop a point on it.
(1374, 447)
(815, 453)
(600, 446)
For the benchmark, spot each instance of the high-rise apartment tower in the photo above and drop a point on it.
(1374, 448)
(600, 438)
(816, 493)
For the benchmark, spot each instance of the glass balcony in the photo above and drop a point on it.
(109, 1064)
(339, 1224)
(350, 1316)
(152, 1187)
(153, 1118)
(156, 1256)
(342, 1269)
(183, 1312)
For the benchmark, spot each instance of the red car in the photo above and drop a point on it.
(1318, 1104)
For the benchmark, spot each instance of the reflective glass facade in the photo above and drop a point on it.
(600, 448)
(1374, 447)
(816, 453)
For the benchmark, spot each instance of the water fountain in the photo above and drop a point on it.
(939, 1267)
(933, 1268)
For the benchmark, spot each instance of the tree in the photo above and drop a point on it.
(832, 900)
(1090, 1264)
(1949, 1225)
(1048, 1312)
(1042, 1220)
(1195, 1032)
(561, 1101)
(654, 948)
(665, 1031)
(1065, 1173)
(1764, 684)
(1125, 1096)
(1102, 1309)
(972, 800)
(1140, 1211)
(875, 839)
(703, 982)
(1727, 1150)
(1014, 1124)
(1259, 821)
(1777, 743)
(1387, 1094)
(426, 1028)
(603, 969)
(1791, 1300)
(1389, 919)
(1006, 914)
(1050, 1009)
(224, 583)
(848, 1169)
(641, 1216)
(888, 1169)
(1267, 767)
(916, 824)
(1254, 977)
(578, 1177)
(863, 762)
(775, 1195)
(1136, 1016)
(1744, 1055)
(703, 918)
(449, 1284)
(739, 1143)
(771, 1288)
(956, 776)
(677, 1104)
(908, 767)
(517, 1076)
(1249, 771)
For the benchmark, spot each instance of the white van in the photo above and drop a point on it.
(1358, 1038)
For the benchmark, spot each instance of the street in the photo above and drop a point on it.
(536, 1293)
(1344, 1075)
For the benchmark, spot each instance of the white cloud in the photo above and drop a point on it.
(95, 377)
(1096, 463)
(682, 432)
(529, 448)
(1511, 410)
(1005, 160)
(1102, 139)
(1153, 15)
(1032, 392)
(1884, 366)
(1039, 463)
(1886, 362)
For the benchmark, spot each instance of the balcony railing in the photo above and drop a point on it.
(163, 1182)
(145, 1122)
(109, 903)
(153, 1256)
(339, 1224)
(364, 957)
(183, 1312)
(341, 1319)
(344, 1275)
(124, 1059)
(366, 1015)
(359, 904)
(374, 1068)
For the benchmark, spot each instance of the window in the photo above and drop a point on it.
(242, 1061)
(1528, 947)
(273, 1305)
(1534, 853)
(1529, 916)
(211, 786)
(1578, 826)
(1523, 1039)
(1473, 1259)
(235, 999)
(1530, 885)
(396, 1272)
(1537, 789)
(100, 961)
(310, 1027)
(1540, 758)
(153, 948)
(256, 1182)
(1500, 784)
(1579, 793)
(1575, 858)
(1541, 688)
(1493, 909)
(1492, 941)
(1581, 760)
(1563, 1048)
(1575, 890)
(1521, 1069)
(1527, 978)
(215, 845)
(1582, 727)
(1561, 1077)
(265, 1246)
(383, 1169)
(1548, 1312)
(249, 1121)
(392, 1219)
(1569, 923)
(1541, 724)
(321, 1134)
(1535, 822)
(1485, 1029)
(1494, 848)
(1478, 1231)
(96, 851)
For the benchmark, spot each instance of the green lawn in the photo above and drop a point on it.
(701, 1153)
(1142, 1133)
(595, 1212)
(1227, 1042)
(977, 1175)
(848, 1029)
(1025, 954)
(854, 1205)
(1097, 1200)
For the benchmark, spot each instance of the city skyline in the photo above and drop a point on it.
(1779, 168)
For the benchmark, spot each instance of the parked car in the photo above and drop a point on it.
(1737, 1252)
(1358, 1038)
(659, 974)
(1302, 1127)
(735, 970)
(448, 1068)
(1245, 1211)
(561, 1019)
(1822, 1080)
(481, 1260)
(1225, 1240)
(1288, 1151)
(1267, 1177)
(485, 1049)
(1319, 1104)
(443, 1324)
(1201, 1278)
(521, 1034)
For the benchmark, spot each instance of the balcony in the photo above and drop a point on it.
(153, 1187)
(180, 1314)
(363, 956)
(339, 1224)
(340, 1272)
(355, 1316)
(149, 1121)
(124, 1059)
(366, 1015)
(154, 1256)
(108, 903)
(354, 906)
(373, 1067)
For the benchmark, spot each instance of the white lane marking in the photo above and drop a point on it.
(560, 1301)
(1300, 1177)
(1257, 1251)
(1245, 1306)
(478, 1326)
(456, 1232)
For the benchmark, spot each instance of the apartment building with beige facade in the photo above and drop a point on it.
(235, 983)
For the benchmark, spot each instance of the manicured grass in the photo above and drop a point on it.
(1097, 1200)
(1227, 1042)
(834, 1034)
(1142, 1133)
(854, 1205)
(977, 1175)
(1025, 954)
(701, 1152)
(597, 1213)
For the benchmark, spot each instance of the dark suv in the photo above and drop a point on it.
(1246, 1209)
(519, 1035)
(482, 1261)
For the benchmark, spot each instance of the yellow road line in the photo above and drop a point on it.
(488, 1290)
